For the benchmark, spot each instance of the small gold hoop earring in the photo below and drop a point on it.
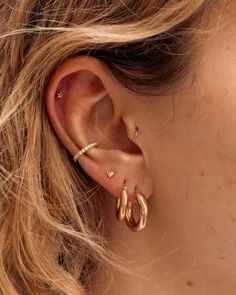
(83, 150)
(121, 204)
(135, 134)
(143, 213)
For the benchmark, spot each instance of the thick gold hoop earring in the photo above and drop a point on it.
(121, 204)
(143, 213)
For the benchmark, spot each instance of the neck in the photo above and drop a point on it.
(156, 262)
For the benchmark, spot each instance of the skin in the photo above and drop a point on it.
(184, 161)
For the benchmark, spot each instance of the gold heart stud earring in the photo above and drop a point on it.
(110, 172)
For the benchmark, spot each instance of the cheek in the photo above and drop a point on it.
(192, 159)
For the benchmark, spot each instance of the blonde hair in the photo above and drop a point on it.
(51, 237)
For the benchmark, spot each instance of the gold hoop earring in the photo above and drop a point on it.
(143, 212)
(121, 204)
(135, 134)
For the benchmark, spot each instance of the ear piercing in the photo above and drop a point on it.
(59, 94)
(110, 172)
(83, 150)
(124, 208)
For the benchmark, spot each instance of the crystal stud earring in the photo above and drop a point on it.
(59, 94)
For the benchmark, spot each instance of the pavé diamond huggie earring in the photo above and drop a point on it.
(83, 150)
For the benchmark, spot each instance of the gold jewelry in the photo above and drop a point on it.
(83, 150)
(143, 212)
(121, 204)
(110, 172)
(135, 134)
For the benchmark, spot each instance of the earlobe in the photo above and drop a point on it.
(85, 106)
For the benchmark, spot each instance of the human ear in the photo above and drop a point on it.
(85, 104)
